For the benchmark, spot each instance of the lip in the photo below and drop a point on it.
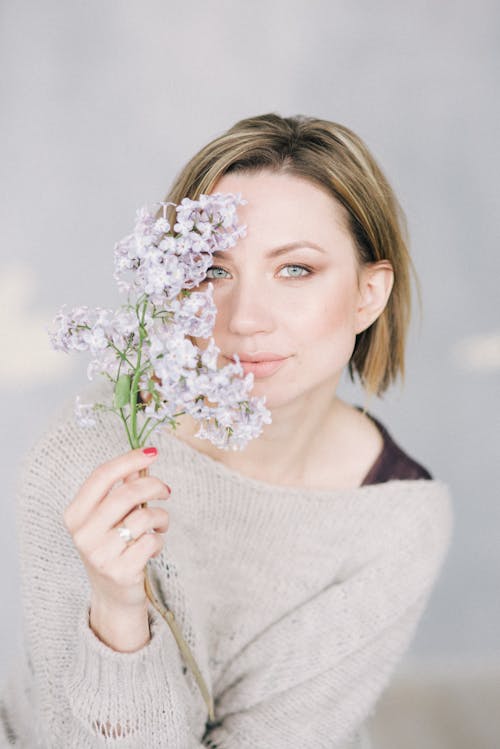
(260, 356)
(260, 366)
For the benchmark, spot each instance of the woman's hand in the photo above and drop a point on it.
(116, 569)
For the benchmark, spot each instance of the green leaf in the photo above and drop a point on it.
(122, 391)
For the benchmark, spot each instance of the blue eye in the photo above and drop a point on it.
(214, 267)
(289, 265)
(302, 267)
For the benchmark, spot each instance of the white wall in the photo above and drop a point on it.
(101, 105)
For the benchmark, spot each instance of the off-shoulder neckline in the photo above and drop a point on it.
(163, 437)
(258, 486)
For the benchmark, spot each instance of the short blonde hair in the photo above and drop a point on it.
(333, 157)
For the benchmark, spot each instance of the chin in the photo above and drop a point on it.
(274, 398)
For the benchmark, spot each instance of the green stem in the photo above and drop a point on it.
(122, 355)
(143, 428)
(124, 419)
(135, 383)
(156, 424)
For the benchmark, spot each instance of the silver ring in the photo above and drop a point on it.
(125, 533)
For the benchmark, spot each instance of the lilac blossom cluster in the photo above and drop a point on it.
(145, 344)
(165, 263)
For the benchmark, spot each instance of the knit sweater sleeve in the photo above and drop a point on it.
(314, 676)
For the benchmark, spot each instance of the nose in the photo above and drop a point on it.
(249, 308)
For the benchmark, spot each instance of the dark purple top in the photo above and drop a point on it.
(392, 462)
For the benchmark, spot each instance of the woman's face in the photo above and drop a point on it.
(301, 303)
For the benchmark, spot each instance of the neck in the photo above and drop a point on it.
(287, 450)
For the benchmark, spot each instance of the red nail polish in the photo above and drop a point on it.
(150, 451)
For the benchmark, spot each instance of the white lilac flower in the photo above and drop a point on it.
(148, 339)
(82, 329)
(83, 413)
(233, 427)
(196, 313)
(107, 364)
(68, 335)
(210, 354)
(162, 265)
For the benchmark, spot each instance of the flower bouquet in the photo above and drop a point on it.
(146, 345)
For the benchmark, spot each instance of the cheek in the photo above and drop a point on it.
(329, 317)
(322, 316)
(327, 335)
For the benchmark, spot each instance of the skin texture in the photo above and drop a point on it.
(312, 316)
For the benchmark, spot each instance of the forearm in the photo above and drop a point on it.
(122, 630)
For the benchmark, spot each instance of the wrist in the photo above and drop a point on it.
(122, 629)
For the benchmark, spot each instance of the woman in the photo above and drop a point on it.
(299, 568)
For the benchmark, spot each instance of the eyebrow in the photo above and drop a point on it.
(280, 250)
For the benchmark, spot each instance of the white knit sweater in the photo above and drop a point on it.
(297, 604)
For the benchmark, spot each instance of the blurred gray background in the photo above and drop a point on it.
(103, 103)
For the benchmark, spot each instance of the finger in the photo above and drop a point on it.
(128, 568)
(117, 505)
(131, 477)
(144, 519)
(139, 522)
(99, 483)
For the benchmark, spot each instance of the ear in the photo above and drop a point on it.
(375, 286)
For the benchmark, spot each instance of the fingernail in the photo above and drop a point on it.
(150, 451)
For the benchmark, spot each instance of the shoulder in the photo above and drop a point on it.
(415, 521)
(424, 501)
(393, 461)
(60, 456)
(63, 422)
